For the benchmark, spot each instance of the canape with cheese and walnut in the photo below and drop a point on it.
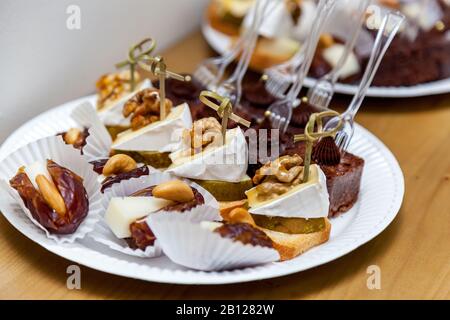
(151, 137)
(126, 216)
(218, 166)
(113, 90)
(291, 212)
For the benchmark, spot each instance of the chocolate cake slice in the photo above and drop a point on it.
(343, 182)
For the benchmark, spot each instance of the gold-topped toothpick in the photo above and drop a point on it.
(316, 121)
(224, 110)
(157, 66)
(135, 54)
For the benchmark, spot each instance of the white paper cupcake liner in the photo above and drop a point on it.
(102, 233)
(98, 143)
(189, 244)
(55, 149)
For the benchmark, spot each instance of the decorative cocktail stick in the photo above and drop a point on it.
(315, 121)
(224, 110)
(136, 54)
(157, 66)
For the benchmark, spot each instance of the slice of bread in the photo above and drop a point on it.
(291, 245)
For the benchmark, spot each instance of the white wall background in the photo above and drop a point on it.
(43, 64)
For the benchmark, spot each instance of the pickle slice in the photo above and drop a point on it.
(115, 130)
(290, 225)
(227, 191)
(155, 159)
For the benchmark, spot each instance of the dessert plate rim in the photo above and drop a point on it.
(359, 229)
(220, 42)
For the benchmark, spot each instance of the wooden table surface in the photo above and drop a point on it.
(413, 253)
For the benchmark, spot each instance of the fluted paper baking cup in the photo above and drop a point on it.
(103, 234)
(98, 143)
(55, 149)
(189, 244)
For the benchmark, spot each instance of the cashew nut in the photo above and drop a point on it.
(241, 215)
(51, 195)
(71, 136)
(119, 163)
(174, 190)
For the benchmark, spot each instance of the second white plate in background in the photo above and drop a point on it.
(221, 42)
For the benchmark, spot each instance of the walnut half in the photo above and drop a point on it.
(278, 177)
(206, 133)
(113, 86)
(144, 108)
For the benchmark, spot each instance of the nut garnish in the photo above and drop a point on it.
(206, 133)
(111, 87)
(174, 190)
(144, 108)
(72, 135)
(119, 163)
(278, 177)
(226, 207)
(326, 40)
(51, 195)
(240, 215)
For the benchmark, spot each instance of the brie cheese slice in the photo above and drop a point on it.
(307, 200)
(161, 136)
(111, 115)
(123, 211)
(333, 54)
(224, 163)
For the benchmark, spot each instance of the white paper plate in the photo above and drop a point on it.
(381, 195)
(221, 42)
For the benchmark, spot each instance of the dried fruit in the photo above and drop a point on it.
(71, 188)
(244, 233)
(136, 173)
